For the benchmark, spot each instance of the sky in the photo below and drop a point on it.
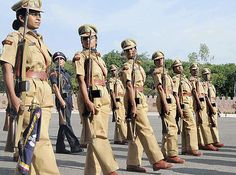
(176, 27)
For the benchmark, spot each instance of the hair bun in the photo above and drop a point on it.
(16, 24)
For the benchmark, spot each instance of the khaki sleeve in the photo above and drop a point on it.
(127, 73)
(156, 78)
(79, 60)
(175, 84)
(9, 49)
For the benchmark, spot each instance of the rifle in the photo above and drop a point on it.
(180, 106)
(164, 101)
(114, 106)
(130, 119)
(198, 102)
(88, 78)
(7, 119)
(62, 120)
(87, 132)
(21, 86)
(211, 109)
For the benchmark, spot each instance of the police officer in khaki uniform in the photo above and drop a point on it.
(211, 95)
(184, 101)
(99, 153)
(199, 105)
(166, 106)
(37, 60)
(117, 92)
(145, 139)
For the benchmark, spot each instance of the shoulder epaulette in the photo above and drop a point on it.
(76, 57)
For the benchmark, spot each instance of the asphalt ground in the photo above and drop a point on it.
(222, 162)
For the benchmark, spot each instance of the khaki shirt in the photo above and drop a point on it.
(185, 86)
(79, 60)
(169, 85)
(198, 85)
(140, 75)
(210, 90)
(97, 73)
(157, 77)
(117, 87)
(36, 51)
(140, 78)
(37, 59)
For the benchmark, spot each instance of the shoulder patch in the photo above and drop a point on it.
(8, 42)
(98, 54)
(76, 57)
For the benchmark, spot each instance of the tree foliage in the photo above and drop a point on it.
(203, 55)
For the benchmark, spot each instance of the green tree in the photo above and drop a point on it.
(193, 57)
(204, 54)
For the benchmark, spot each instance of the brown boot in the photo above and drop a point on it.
(113, 173)
(218, 144)
(201, 147)
(135, 168)
(175, 159)
(194, 153)
(161, 165)
(210, 147)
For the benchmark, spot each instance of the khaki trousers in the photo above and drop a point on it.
(145, 140)
(204, 129)
(120, 126)
(215, 130)
(170, 138)
(99, 155)
(189, 131)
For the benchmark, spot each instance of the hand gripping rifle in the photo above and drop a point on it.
(211, 107)
(21, 86)
(130, 118)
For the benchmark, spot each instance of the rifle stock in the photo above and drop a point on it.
(10, 143)
(7, 120)
(211, 112)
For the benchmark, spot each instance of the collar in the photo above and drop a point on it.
(30, 32)
(92, 50)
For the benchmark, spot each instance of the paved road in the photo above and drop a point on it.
(222, 162)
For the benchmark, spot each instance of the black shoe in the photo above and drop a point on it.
(76, 150)
(63, 151)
